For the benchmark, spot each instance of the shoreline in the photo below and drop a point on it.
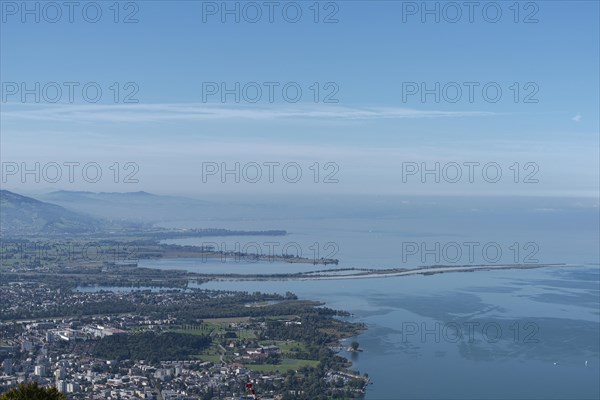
(383, 273)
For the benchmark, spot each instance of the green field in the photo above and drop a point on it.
(286, 364)
(213, 358)
(282, 317)
(291, 347)
(213, 354)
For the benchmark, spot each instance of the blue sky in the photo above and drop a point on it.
(369, 56)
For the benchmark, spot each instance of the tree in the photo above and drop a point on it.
(31, 391)
(354, 346)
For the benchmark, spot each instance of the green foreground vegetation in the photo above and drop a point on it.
(31, 391)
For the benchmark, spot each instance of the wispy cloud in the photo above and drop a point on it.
(195, 112)
(577, 118)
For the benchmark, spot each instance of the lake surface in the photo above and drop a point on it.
(390, 233)
(507, 334)
(498, 334)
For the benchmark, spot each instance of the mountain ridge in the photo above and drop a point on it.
(24, 215)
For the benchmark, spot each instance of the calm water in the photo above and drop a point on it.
(509, 334)
(515, 325)
(406, 235)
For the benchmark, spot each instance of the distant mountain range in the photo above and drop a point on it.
(129, 206)
(75, 212)
(66, 211)
(22, 215)
(79, 212)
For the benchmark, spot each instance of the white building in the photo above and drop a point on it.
(60, 374)
(40, 370)
(72, 387)
(61, 386)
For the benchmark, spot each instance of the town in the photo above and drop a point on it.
(173, 344)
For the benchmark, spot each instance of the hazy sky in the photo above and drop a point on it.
(369, 115)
